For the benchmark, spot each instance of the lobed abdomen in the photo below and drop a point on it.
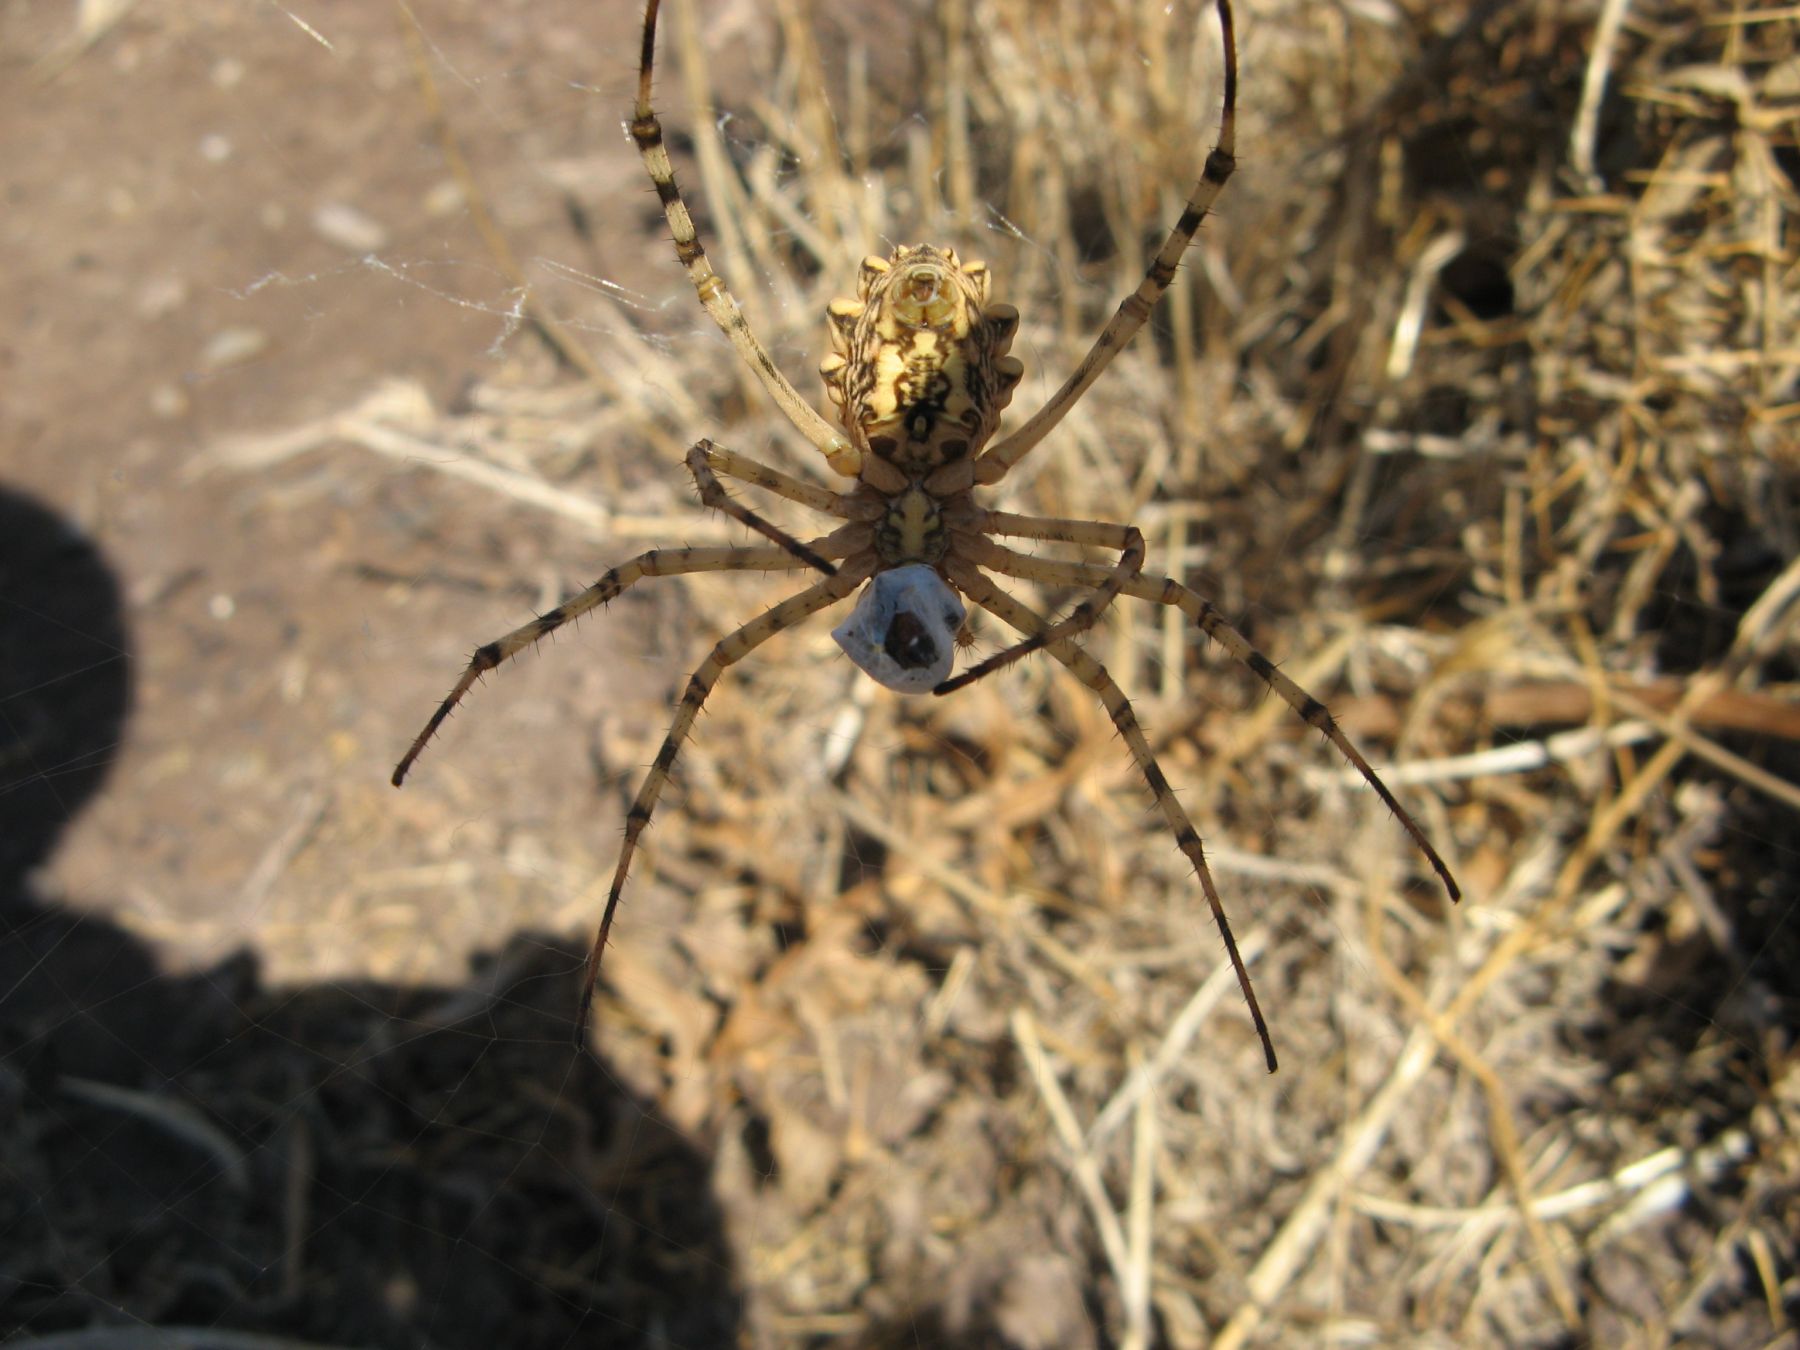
(919, 369)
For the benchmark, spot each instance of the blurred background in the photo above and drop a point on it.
(337, 340)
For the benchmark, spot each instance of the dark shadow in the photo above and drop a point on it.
(348, 1164)
(65, 680)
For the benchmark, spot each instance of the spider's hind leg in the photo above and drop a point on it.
(1315, 714)
(709, 286)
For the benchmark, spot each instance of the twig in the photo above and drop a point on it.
(1141, 1082)
(94, 19)
(1593, 91)
(302, 820)
(175, 1118)
(1642, 1179)
(1520, 757)
(1080, 1159)
(1282, 1258)
(1138, 1226)
(1678, 730)
(368, 424)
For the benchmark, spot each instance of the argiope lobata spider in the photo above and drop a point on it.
(920, 375)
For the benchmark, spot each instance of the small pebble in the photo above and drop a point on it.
(161, 297)
(349, 228)
(444, 199)
(168, 400)
(232, 346)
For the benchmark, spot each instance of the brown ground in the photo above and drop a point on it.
(1464, 438)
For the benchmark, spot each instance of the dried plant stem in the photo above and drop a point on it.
(1081, 1162)
(1283, 1257)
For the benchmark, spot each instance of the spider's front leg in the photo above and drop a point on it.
(658, 562)
(1090, 672)
(715, 297)
(727, 652)
(1127, 539)
(1167, 591)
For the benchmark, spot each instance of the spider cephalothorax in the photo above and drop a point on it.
(920, 376)
(919, 369)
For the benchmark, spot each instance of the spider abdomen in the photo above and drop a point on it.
(920, 372)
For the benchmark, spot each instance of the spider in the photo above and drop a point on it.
(920, 374)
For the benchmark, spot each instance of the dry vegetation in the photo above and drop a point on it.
(1476, 407)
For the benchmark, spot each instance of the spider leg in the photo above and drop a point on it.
(843, 457)
(658, 562)
(1125, 538)
(1090, 672)
(706, 458)
(757, 474)
(1165, 591)
(728, 651)
(1123, 325)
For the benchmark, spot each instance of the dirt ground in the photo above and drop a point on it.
(172, 285)
(289, 1053)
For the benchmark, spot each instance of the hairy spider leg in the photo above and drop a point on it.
(727, 652)
(1167, 591)
(757, 474)
(1136, 307)
(701, 461)
(657, 562)
(646, 131)
(704, 461)
(1090, 672)
(1125, 538)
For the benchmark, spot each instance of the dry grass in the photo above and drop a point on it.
(1476, 407)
